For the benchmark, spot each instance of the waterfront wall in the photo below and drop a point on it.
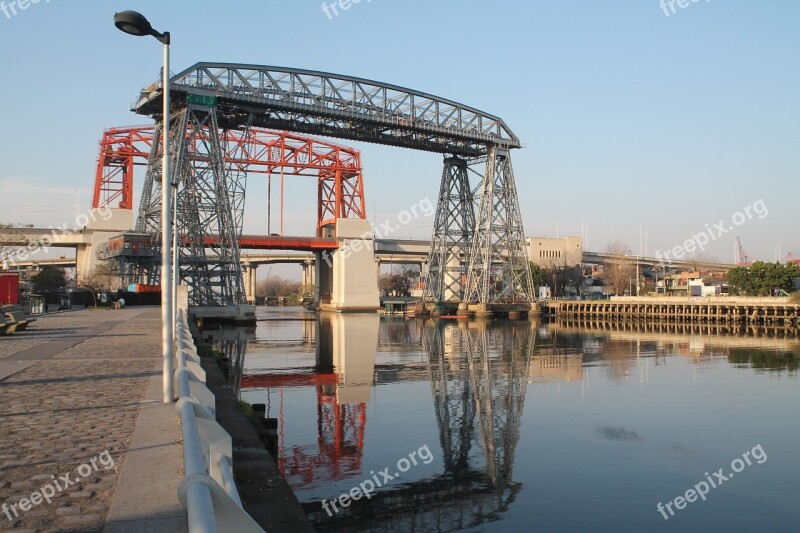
(748, 311)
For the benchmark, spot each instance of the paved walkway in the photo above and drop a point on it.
(85, 442)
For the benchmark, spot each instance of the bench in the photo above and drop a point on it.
(11, 327)
(17, 325)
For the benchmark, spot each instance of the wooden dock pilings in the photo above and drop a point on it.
(751, 312)
(730, 335)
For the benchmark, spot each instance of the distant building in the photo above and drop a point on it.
(550, 251)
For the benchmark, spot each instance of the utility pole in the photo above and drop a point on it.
(586, 240)
(637, 275)
(641, 248)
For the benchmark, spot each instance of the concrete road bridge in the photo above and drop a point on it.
(306, 253)
(92, 239)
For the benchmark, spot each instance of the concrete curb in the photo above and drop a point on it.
(146, 496)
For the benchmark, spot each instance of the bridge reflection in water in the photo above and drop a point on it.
(478, 375)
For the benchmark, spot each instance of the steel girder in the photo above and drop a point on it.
(453, 230)
(340, 181)
(498, 270)
(120, 150)
(334, 105)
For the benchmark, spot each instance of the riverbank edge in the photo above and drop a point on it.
(265, 494)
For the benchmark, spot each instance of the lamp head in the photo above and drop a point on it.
(134, 23)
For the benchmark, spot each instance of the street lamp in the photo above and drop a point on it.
(134, 23)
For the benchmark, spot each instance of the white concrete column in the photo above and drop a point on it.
(250, 282)
(354, 289)
(253, 271)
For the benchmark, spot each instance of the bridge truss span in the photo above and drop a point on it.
(333, 105)
(244, 97)
(255, 151)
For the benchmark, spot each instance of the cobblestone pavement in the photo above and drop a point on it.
(49, 328)
(61, 415)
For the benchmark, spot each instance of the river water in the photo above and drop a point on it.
(520, 426)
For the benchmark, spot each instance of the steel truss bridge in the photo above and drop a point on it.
(478, 252)
(201, 218)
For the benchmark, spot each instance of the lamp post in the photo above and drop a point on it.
(134, 23)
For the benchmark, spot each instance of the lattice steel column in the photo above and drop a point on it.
(453, 230)
(238, 155)
(146, 269)
(499, 271)
(206, 222)
(210, 199)
(149, 219)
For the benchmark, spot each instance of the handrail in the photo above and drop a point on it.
(208, 490)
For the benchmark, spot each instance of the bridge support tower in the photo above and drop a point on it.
(206, 204)
(499, 275)
(453, 231)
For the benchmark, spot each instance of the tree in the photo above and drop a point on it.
(11, 244)
(559, 275)
(399, 284)
(761, 279)
(617, 273)
(739, 280)
(387, 283)
(102, 278)
(275, 286)
(538, 277)
(49, 280)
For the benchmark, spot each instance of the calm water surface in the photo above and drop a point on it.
(517, 426)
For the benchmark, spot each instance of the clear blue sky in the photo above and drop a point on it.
(628, 117)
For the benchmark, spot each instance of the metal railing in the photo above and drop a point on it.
(208, 490)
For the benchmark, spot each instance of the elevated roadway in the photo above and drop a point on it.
(395, 251)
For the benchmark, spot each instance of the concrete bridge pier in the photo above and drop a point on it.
(345, 280)
(309, 273)
(101, 225)
(250, 283)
